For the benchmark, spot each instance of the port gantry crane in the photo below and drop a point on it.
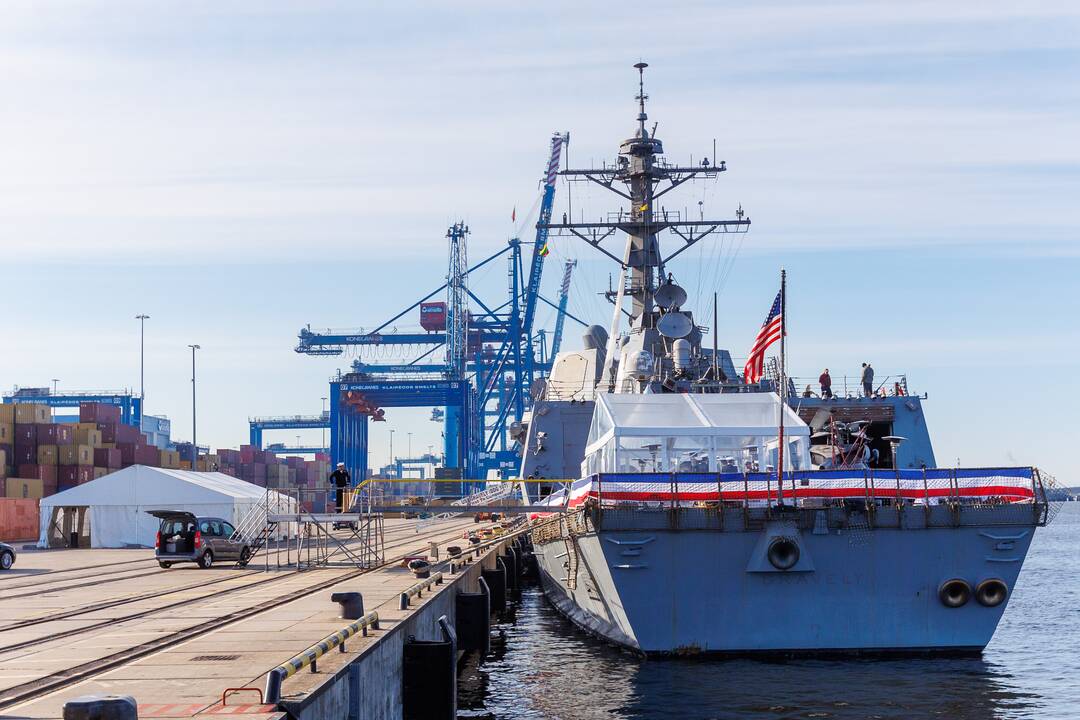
(495, 351)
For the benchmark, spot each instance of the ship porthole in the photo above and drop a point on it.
(954, 593)
(783, 553)
(991, 593)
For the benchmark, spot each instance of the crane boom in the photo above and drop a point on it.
(536, 268)
(560, 319)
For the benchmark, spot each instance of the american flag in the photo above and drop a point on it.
(769, 333)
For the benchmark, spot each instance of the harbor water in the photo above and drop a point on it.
(545, 668)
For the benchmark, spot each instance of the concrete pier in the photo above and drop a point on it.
(145, 604)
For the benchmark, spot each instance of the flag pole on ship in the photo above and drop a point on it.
(783, 389)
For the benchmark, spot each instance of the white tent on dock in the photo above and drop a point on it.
(116, 505)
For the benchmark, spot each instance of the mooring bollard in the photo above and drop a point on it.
(420, 568)
(352, 604)
(101, 707)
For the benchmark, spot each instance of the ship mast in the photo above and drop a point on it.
(641, 177)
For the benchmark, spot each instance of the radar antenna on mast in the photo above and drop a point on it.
(656, 314)
(641, 96)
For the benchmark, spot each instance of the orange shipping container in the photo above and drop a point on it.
(18, 519)
(170, 459)
(47, 455)
(100, 472)
(7, 413)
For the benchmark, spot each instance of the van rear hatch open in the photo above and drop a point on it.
(177, 531)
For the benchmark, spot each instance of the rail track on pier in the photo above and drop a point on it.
(127, 600)
(48, 576)
(323, 579)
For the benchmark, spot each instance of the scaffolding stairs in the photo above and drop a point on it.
(256, 526)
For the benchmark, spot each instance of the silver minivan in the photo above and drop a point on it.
(183, 537)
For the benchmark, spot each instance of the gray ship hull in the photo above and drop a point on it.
(659, 584)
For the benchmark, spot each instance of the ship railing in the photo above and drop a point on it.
(569, 390)
(850, 387)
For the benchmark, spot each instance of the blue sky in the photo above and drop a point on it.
(237, 170)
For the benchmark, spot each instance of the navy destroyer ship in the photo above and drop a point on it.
(700, 512)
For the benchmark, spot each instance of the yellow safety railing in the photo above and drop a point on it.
(309, 657)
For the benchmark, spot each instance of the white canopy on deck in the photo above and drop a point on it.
(676, 432)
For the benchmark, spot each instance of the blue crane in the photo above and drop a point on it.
(494, 348)
(540, 251)
(564, 297)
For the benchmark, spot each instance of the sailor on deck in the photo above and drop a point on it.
(825, 380)
(867, 380)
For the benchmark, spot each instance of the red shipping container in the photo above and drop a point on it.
(229, 457)
(25, 434)
(129, 434)
(75, 474)
(46, 473)
(247, 454)
(107, 458)
(127, 453)
(54, 434)
(433, 316)
(148, 456)
(108, 432)
(99, 412)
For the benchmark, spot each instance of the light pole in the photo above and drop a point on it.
(410, 447)
(54, 382)
(324, 429)
(392, 468)
(194, 442)
(142, 355)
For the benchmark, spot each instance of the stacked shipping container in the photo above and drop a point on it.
(266, 469)
(39, 457)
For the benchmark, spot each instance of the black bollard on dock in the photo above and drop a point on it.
(101, 707)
